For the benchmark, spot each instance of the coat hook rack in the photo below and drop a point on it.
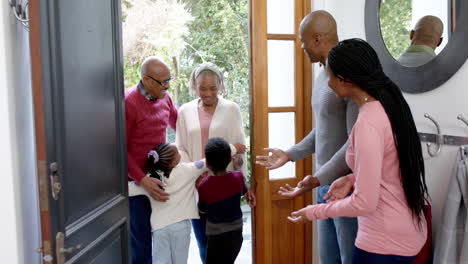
(439, 138)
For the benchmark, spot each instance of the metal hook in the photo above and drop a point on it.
(439, 139)
(464, 151)
(463, 119)
(21, 11)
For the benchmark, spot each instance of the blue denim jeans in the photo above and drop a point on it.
(140, 229)
(172, 243)
(363, 257)
(199, 228)
(336, 236)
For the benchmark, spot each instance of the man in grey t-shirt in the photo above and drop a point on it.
(334, 119)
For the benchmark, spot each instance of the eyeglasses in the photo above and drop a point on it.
(163, 83)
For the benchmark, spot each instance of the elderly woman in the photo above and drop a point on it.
(208, 116)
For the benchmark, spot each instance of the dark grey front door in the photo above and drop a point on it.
(82, 80)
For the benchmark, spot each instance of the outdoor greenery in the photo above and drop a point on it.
(186, 33)
(395, 24)
(152, 28)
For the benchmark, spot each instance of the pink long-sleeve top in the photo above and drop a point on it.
(146, 123)
(386, 224)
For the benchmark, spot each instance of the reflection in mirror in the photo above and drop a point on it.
(415, 31)
(449, 58)
(425, 37)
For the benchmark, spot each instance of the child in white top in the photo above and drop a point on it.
(170, 220)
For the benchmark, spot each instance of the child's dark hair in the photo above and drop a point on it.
(217, 154)
(165, 154)
(356, 60)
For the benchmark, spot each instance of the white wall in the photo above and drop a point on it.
(444, 104)
(20, 216)
(9, 241)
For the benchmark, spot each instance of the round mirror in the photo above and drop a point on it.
(420, 42)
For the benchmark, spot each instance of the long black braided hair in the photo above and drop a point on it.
(356, 61)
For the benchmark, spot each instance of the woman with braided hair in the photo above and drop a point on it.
(386, 160)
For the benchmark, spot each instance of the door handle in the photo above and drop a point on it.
(61, 250)
(70, 250)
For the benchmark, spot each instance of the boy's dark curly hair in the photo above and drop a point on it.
(217, 154)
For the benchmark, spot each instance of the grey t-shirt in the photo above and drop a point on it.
(334, 118)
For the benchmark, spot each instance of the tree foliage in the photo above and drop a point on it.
(152, 27)
(395, 24)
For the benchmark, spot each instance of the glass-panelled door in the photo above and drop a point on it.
(281, 116)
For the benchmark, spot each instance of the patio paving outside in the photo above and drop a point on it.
(245, 255)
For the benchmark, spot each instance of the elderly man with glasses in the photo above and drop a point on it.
(149, 110)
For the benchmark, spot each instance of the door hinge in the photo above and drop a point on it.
(46, 251)
(61, 250)
(55, 180)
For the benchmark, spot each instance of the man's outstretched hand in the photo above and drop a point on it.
(277, 158)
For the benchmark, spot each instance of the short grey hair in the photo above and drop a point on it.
(205, 67)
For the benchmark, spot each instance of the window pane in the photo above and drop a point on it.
(280, 16)
(281, 134)
(280, 73)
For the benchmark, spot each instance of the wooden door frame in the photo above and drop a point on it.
(47, 246)
(259, 122)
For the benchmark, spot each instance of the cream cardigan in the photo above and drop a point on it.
(226, 123)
